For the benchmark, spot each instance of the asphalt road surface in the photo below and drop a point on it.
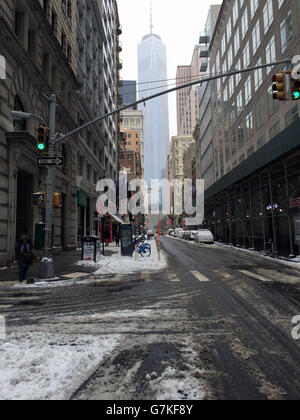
(216, 324)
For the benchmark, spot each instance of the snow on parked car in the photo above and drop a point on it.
(205, 237)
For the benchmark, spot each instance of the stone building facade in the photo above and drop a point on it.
(98, 68)
(38, 41)
(254, 200)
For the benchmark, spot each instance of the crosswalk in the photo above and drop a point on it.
(256, 276)
(200, 277)
(172, 277)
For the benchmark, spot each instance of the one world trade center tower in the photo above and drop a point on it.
(152, 68)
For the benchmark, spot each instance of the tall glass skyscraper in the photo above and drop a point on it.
(152, 67)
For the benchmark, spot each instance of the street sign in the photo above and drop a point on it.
(55, 161)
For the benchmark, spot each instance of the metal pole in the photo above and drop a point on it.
(292, 255)
(251, 212)
(237, 221)
(273, 216)
(48, 263)
(262, 214)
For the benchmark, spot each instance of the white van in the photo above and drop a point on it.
(204, 237)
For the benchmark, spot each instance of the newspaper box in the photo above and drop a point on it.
(126, 240)
(91, 248)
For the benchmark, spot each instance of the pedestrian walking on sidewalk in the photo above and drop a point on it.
(117, 238)
(106, 236)
(24, 256)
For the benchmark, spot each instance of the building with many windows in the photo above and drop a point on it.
(254, 198)
(132, 120)
(188, 98)
(38, 42)
(203, 134)
(98, 32)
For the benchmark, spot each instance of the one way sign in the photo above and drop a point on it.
(56, 161)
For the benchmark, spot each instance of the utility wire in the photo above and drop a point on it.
(62, 138)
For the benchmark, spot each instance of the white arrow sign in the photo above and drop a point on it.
(57, 161)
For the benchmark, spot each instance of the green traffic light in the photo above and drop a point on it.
(297, 95)
(41, 146)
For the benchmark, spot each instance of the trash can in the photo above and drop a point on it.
(126, 240)
(91, 248)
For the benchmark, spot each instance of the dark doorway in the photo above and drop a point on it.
(24, 223)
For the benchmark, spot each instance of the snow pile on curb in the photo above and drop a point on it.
(218, 245)
(43, 366)
(116, 264)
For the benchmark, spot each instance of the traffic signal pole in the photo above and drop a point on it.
(47, 261)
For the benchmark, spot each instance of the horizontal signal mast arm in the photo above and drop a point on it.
(149, 98)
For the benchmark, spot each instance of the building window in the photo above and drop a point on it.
(268, 15)
(63, 42)
(286, 31)
(54, 22)
(69, 55)
(19, 125)
(274, 130)
(291, 116)
(271, 53)
(46, 6)
(20, 25)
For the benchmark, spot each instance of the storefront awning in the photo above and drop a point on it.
(117, 219)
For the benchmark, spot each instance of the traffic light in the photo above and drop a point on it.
(280, 86)
(56, 200)
(295, 87)
(42, 140)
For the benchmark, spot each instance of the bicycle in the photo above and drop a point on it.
(144, 250)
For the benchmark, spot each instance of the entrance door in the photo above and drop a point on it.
(24, 224)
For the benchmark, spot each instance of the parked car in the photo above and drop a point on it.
(204, 237)
(181, 234)
(150, 233)
(178, 231)
(186, 235)
(171, 232)
(193, 234)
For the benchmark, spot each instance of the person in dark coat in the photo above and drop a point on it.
(106, 236)
(24, 256)
(117, 238)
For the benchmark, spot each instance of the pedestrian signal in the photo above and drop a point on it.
(39, 200)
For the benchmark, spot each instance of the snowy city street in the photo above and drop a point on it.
(183, 331)
(149, 203)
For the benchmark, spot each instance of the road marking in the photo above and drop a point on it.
(75, 275)
(200, 277)
(256, 276)
(173, 278)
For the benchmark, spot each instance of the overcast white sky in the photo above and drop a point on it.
(179, 24)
